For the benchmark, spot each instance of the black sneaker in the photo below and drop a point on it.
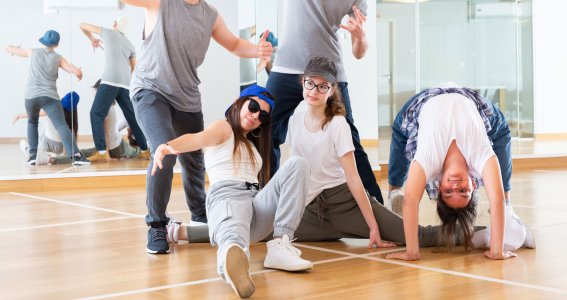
(157, 241)
(79, 160)
(31, 160)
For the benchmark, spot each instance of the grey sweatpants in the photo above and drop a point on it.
(334, 214)
(239, 213)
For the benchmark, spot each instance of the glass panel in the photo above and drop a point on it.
(25, 23)
(267, 16)
(121, 143)
(480, 44)
(247, 31)
(396, 65)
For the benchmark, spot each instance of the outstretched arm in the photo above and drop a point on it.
(357, 189)
(492, 180)
(415, 185)
(355, 26)
(241, 47)
(18, 50)
(70, 68)
(88, 30)
(217, 133)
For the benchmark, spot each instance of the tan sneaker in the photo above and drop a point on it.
(144, 154)
(236, 271)
(97, 157)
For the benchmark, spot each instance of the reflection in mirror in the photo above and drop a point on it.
(396, 60)
(115, 141)
(247, 31)
(267, 16)
(33, 86)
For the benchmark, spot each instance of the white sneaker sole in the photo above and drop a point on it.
(289, 268)
(236, 268)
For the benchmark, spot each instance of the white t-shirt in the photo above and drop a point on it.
(50, 131)
(445, 118)
(322, 149)
(113, 136)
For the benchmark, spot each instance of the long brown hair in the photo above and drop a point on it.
(261, 138)
(454, 218)
(72, 121)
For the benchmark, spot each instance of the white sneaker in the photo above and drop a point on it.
(236, 271)
(283, 256)
(25, 147)
(173, 231)
(395, 200)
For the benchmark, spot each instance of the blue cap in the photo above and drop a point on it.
(70, 101)
(256, 90)
(50, 38)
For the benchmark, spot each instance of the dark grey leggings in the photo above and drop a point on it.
(334, 214)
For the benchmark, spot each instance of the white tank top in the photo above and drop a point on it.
(220, 164)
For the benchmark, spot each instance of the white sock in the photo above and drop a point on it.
(102, 152)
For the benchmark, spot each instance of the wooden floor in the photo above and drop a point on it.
(91, 244)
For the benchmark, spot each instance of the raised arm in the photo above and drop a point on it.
(70, 68)
(355, 26)
(492, 180)
(357, 189)
(217, 133)
(18, 50)
(415, 185)
(88, 30)
(241, 47)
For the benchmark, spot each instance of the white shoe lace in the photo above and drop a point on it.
(286, 244)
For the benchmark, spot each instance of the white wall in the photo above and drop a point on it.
(550, 66)
(362, 78)
(26, 22)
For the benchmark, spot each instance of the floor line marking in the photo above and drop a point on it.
(76, 204)
(455, 273)
(207, 280)
(65, 224)
(65, 170)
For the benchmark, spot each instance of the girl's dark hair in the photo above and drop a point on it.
(453, 219)
(335, 105)
(72, 121)
(261, 138)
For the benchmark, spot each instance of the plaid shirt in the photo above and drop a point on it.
(410, 123)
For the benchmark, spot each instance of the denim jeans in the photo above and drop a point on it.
(161, 123)
(104, 97)
(288, 93)
(54, 110)
(398, 164)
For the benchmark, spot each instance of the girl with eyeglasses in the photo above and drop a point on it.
(337, 204)
(237, 156)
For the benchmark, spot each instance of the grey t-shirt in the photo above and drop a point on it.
(43, 74)
(173, 51)
(310, 30)
(117, 53)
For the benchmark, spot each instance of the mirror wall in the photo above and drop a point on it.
(483, 44)
(27, 21)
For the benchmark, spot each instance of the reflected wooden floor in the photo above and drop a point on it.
(91, 244)
(13, 159)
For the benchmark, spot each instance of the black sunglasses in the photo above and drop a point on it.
(254, 107)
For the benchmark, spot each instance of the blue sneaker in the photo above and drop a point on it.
(157, 241)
